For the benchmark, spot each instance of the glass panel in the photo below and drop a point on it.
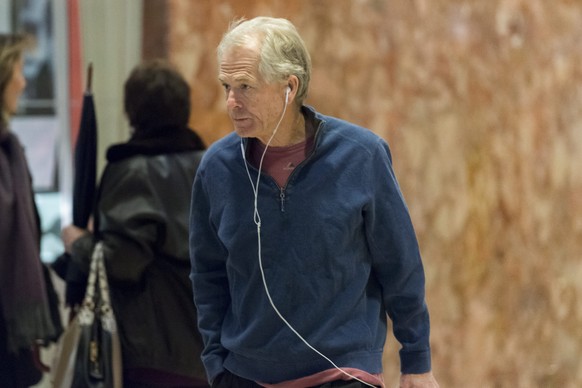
(49, 208)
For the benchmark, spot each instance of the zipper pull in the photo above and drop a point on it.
(282, 196)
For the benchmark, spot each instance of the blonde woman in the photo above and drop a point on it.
(25, 317)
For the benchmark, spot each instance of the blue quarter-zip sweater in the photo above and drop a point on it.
(338, 252)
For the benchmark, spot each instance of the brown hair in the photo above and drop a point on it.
(12, 47)
(156, 95)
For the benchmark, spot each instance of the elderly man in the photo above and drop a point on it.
(301, 243)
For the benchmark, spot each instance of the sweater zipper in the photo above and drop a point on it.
(282, 196)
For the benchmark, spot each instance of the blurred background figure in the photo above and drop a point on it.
(142, 218)
(28, 306)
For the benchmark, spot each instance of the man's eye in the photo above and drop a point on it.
(245, 87)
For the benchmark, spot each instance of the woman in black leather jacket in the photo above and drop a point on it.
(142, 218)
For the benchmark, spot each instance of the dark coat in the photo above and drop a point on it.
(28, 302)
(142, 217)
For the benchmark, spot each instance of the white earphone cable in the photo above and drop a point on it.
(257, 220)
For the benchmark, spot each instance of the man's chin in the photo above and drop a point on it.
(244, 132)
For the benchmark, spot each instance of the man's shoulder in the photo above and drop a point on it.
(334, 125)
(339, 132)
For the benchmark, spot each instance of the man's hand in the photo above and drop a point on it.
(425, 380)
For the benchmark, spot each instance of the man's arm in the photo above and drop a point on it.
(397, 264)
(209, 280)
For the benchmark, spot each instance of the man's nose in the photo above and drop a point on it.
(232, 100)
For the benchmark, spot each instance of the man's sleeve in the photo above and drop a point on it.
(209, 280)
(397, 264)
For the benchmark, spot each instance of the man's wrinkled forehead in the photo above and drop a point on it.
(239, 63)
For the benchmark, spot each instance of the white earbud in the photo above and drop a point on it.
(287, 94)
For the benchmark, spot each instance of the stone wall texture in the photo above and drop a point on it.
(480, 102)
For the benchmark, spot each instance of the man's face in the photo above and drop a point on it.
(253, 105)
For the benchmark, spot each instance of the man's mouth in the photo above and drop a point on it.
(241, 120)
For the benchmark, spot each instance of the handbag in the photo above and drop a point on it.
(89, 354)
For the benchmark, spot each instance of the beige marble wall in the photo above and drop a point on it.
(481, 103)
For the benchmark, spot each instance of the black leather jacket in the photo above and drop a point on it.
(142, 217)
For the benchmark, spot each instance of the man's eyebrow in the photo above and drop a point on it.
(240, 80)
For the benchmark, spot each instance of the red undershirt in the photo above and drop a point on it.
(279, 162)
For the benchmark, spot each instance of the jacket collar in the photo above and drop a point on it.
(166, 140)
